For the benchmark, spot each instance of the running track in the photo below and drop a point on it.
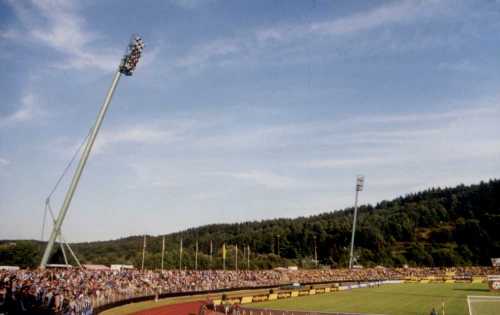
(187, 308)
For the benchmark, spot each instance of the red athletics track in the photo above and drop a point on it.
(186, 308)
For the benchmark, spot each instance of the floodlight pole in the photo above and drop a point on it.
(248, 257)
(359, 187)
(236, 259)
(143, 252)
(196, 256)
(180, 255)
(162, 252)
(127, 67)
(315, 252)
(78, 173)
(211, 253)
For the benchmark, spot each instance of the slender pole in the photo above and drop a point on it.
(359, 187)
(180, 255)
(278, 244)
(272, 244)
(236, 259)
(78, 172)
(224, 256)
(248, 257)
(162, 252)
(353, 230)
(143, 252)
(315, 252)
(211, 253)
(196, 257)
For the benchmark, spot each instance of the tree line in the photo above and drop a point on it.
(437, 227)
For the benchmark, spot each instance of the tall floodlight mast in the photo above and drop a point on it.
(359, 187)
(127, 67)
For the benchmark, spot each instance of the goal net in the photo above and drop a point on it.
(483, 305)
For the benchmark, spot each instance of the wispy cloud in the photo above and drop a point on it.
(392, 13)
(266, 179)
(459, 66)
(426, 117)
(58, 25)
(395, 13)
(426, 138)
(139, 134)
(4, 162)
(191, 4)
(199, 55)
(8, 34)
(343, 163)
(151, 133)
(28, 109)
(151, 175)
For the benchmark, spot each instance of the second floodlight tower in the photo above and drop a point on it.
(359, 187)
(127, 67)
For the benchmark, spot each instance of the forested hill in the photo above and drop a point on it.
(437, 227)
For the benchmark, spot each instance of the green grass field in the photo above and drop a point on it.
(393, 299)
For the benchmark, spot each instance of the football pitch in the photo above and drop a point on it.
(392, 299)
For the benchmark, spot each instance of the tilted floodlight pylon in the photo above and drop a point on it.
(127, 67)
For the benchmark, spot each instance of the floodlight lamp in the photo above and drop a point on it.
(359, 182)
(131, 58)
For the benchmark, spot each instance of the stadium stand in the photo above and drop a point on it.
(79, 291)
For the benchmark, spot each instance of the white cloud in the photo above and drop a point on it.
(191, 4)
(139, 134)
(8, 34)
(263, 178)
(28, 110)
(199, 55)
(343, 163)
(59, 25)
(4, 162)
(397, 12)
(459, 66)
(426, 117)
(455, 136)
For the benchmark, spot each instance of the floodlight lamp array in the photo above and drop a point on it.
(359, 182)
(131, 59)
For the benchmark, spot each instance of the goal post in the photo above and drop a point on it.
(483, 304)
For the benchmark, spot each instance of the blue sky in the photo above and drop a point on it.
(242, 110)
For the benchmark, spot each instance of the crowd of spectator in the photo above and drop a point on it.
(76, 291)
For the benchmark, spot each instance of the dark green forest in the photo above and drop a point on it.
(437, 227)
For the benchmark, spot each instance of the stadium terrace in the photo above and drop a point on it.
(78, 291)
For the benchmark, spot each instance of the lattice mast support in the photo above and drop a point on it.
(359, 187)
(127, 67)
